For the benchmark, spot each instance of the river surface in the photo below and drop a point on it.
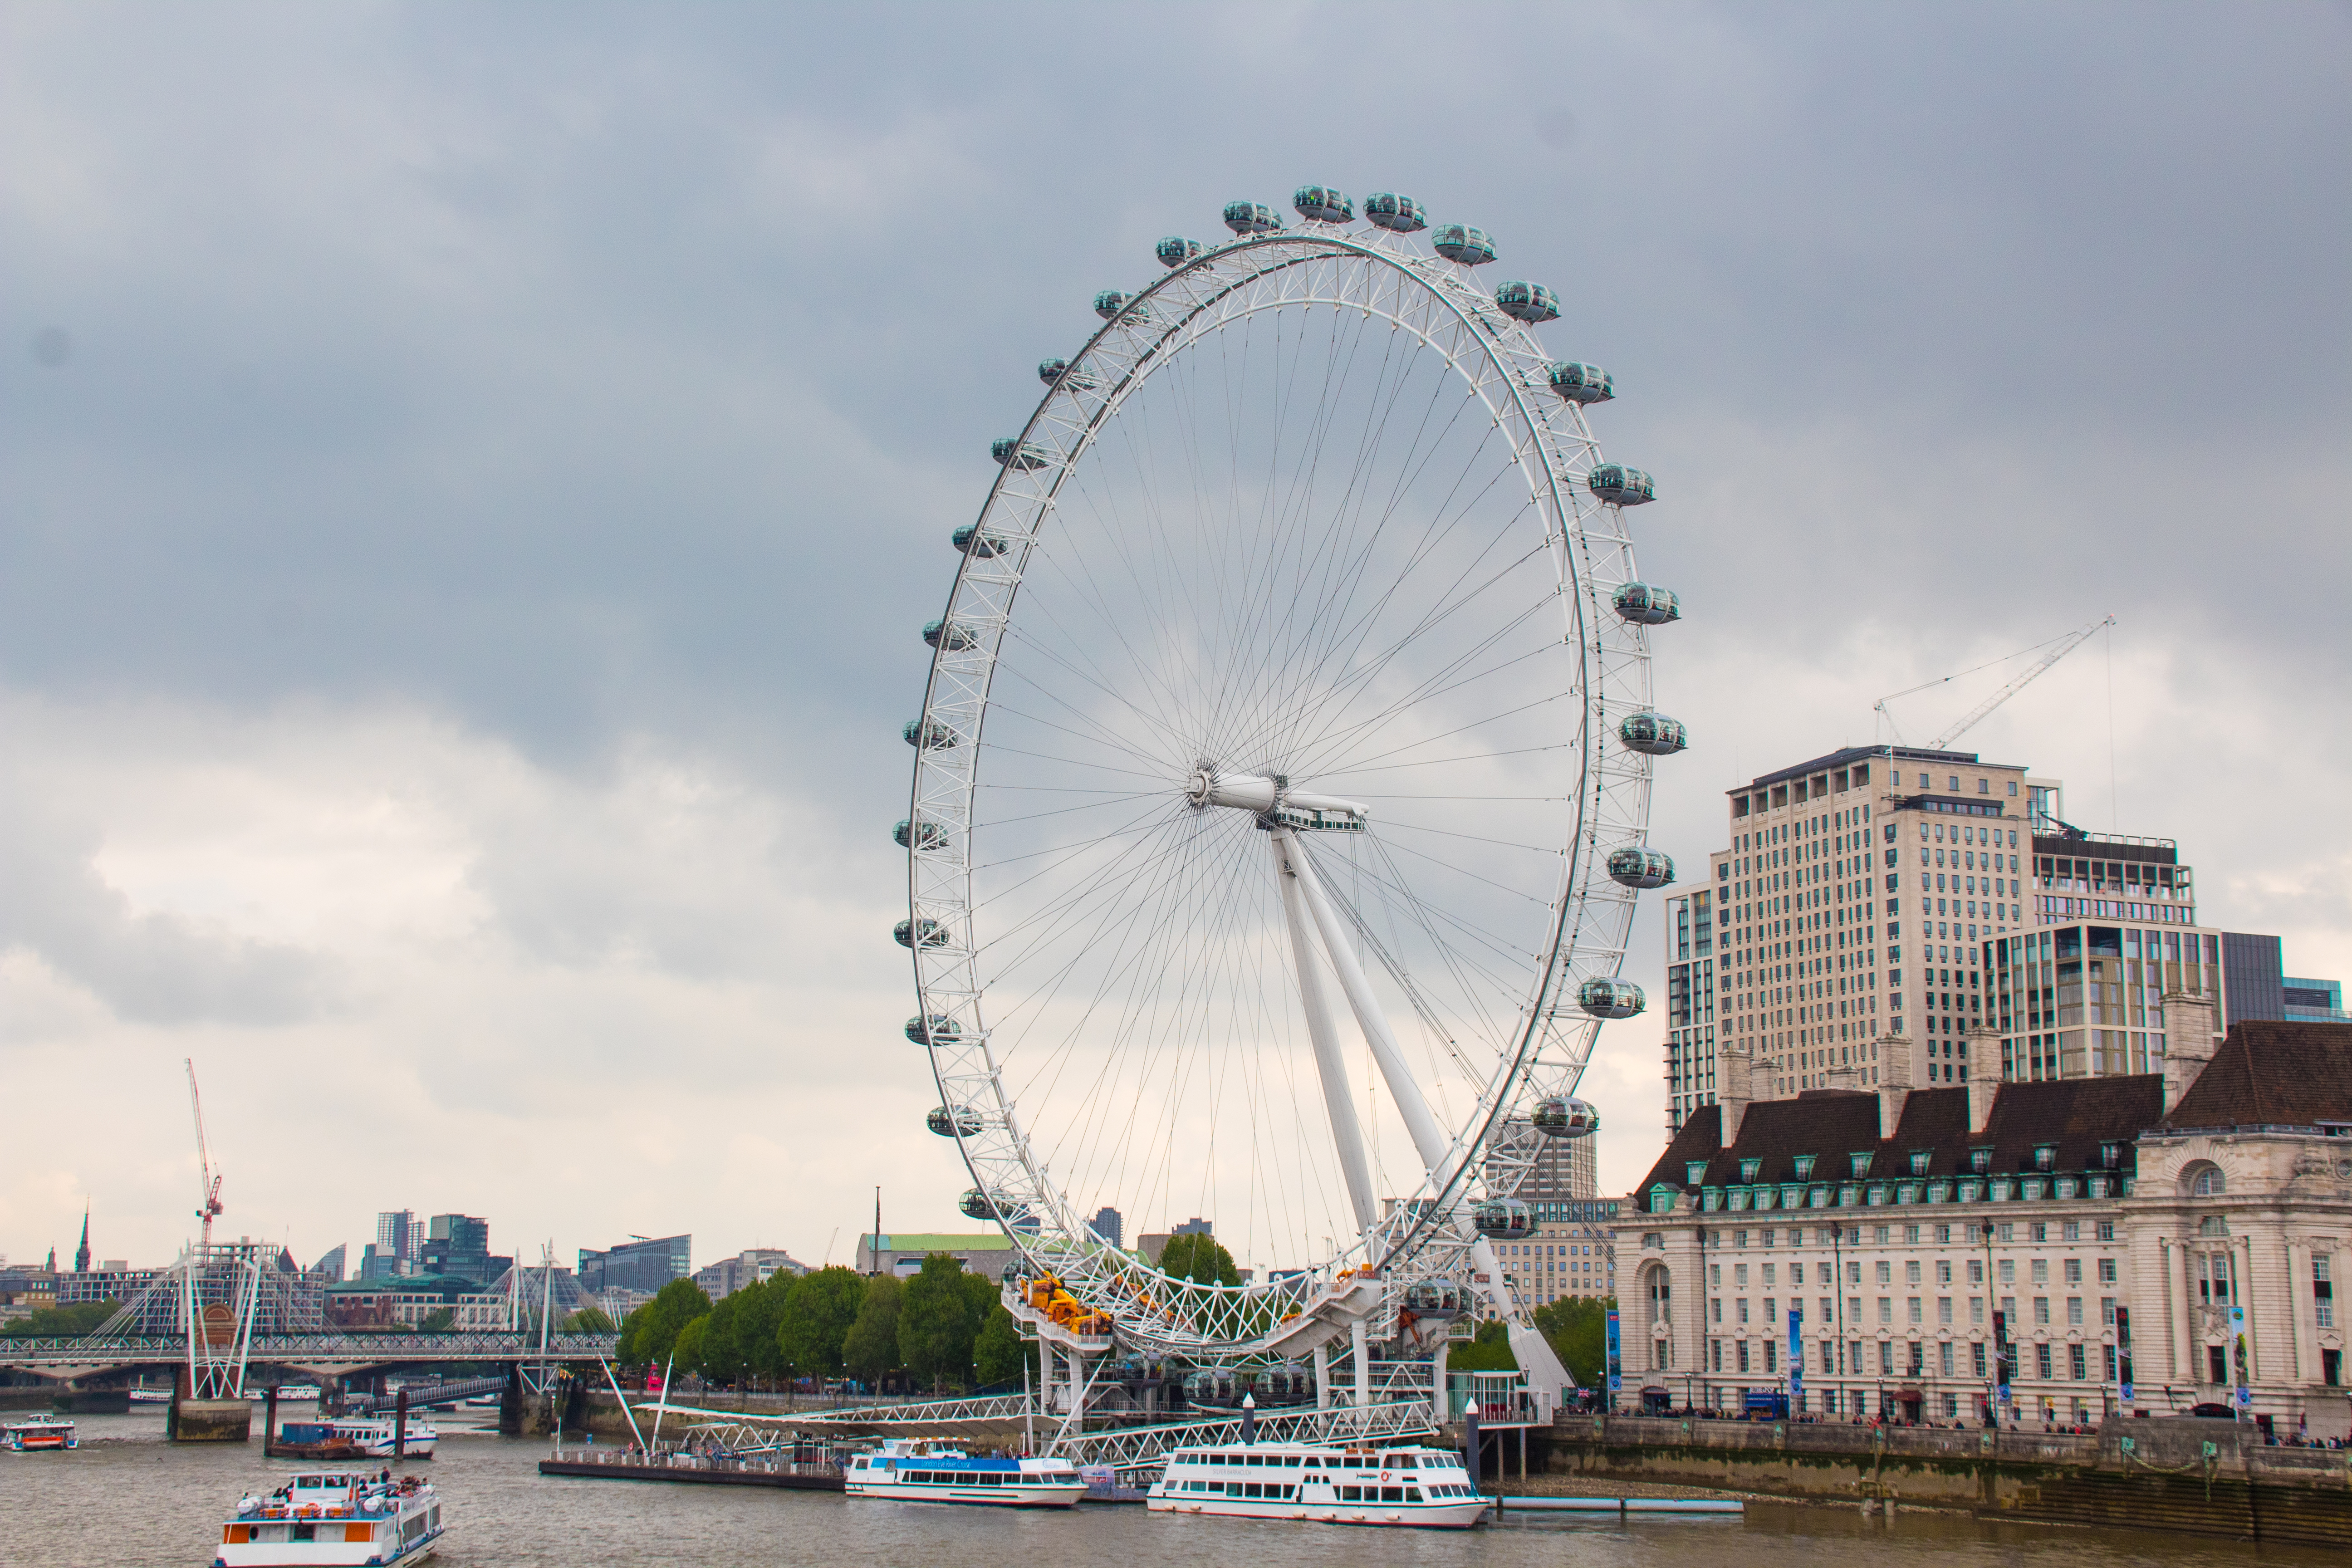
(128, 1500)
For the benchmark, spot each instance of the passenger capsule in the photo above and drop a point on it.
(1647, 604)
(975, 1205)
(1580, 383)
(1111, 304)
(1435, 1299)
(1562, 1117)
(1530, 302)
(1653, 734)
(1503, 1219)
(1251, 217)
(1640, 868)
(1620, 486)
(972, 542)
(1321, 204)
(929, 836)
(1460, 242)
(929, 734)
(1176, 250)
(1605, 998)
(1400, 215)
(1014, 453)
(949, 637)
(1057, 372)
(933, 933)
(953, 1121)
(937, 1030)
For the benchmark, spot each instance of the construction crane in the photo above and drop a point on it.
(211, 1178)
(2058, 650)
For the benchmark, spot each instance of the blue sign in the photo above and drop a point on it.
(1616, 1366)
(2128, 1394)
(2001, 1394)
(2245, 1397)
(1796, 1356)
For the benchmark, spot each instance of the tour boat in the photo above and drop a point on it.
(40, 1434)
(335, 1519)
(366, 1437)
(288, 1394)
(1424, 1488)
(919, 1472)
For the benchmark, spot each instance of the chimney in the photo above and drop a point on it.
(1984, 1079)
(1739, 1069)
(2190, 1042)
(1894, 1081)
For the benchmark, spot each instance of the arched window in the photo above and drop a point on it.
(2203, 1179)
(1659, 1285)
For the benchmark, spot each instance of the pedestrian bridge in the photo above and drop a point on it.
(331, 1354)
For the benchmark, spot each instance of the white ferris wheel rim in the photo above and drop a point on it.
(1588, 916)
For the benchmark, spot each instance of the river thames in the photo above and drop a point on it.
(128, 1500)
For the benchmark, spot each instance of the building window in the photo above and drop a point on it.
(2205, 1180)
(2042, 1360)
(2322, 1293)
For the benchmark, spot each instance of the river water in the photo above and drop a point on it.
(128, 1500)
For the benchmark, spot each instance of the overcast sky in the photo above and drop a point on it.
(473, 477)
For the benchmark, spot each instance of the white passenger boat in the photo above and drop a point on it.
(1424, 1488)
(333, 1520)
(288, 1394)
(42, 1434)
(358, 1436)
(921, 1472)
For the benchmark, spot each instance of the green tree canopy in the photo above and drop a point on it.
(59, 1322)
(586, 1320)
(718, 1354)
(998, 1351)
(652, 1331)
(1488, 1351)
(757, 1319)
(686, 1352)
(872, 1347)
(813, 1328)
(1201, 1259)
(936, 1322)
(439, 1321)
(1578, 1332)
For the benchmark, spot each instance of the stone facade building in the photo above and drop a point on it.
(1893, 1239)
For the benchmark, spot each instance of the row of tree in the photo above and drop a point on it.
(941, 1326)
(1577, 1328)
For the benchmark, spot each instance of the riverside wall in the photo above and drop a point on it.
(2209, 1478)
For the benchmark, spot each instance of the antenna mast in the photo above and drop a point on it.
(210, 1192)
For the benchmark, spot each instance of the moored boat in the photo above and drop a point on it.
(333, 1520)
(913, 1471)
(41, 1433)
(357, 1436)
(1412, 1488)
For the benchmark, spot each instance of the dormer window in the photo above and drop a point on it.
(1693, 1172)
(2045, 1156)
(1980, 1160)
(1861, 1163)
(2111, 1156)
(1804, 1167)
(1749, 1169)
(1919, 1158)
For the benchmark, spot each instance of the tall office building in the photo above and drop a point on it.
(1875, 906)
(637, 1264)
(399, 1236)
(1109, 1224)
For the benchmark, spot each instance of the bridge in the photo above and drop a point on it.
(332, 1354)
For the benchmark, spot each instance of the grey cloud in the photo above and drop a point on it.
(150, 968)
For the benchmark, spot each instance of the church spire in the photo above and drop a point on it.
(81, 1258)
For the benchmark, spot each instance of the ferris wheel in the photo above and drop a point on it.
(1282, 782)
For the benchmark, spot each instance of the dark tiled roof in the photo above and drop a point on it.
(2076, 1114)
(2273, 1073)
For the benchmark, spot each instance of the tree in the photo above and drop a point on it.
(686, 1352)
(1201, 1259)
(871, 1346)
(757, 1319)
(813, 1327)
(998, 1351)
(586, 1320)
(936, 1322)
(60, 1323)
(652, 1331)
(720, 1357)
(1488, 1351)
(1578, 1329)
(439, 1321)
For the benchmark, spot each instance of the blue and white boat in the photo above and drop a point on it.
(913, 1471)
(1416, 1488)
